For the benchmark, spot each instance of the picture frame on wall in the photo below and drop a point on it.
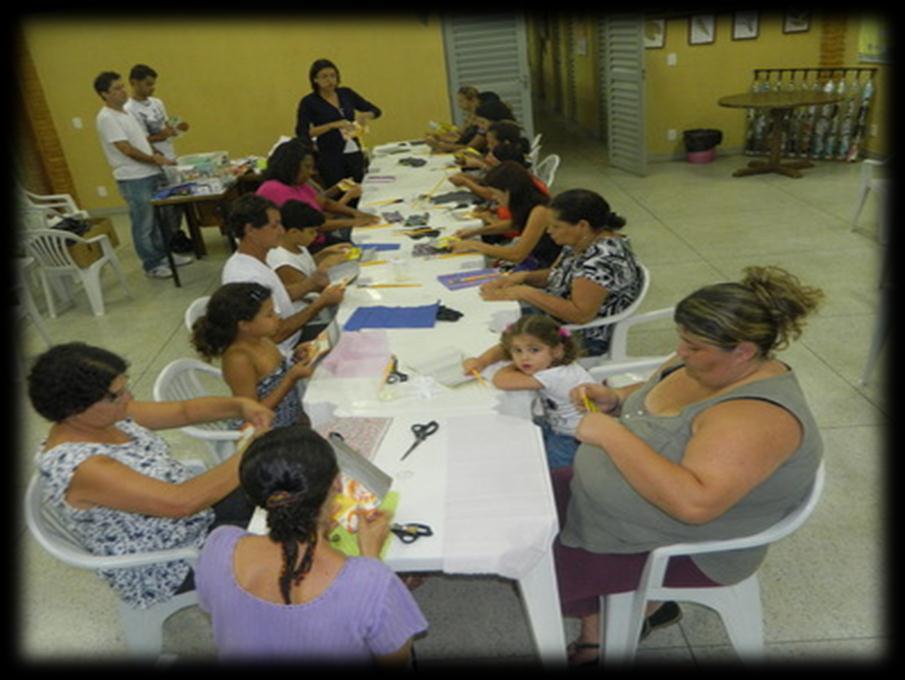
(796, 21)
(654, 33)
(701, 29)
(745, 25)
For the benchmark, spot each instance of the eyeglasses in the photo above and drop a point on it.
(114, 397)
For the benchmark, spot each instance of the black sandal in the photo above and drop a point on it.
(575, 647)
(665, 615)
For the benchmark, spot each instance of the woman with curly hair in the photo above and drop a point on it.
(110, 477)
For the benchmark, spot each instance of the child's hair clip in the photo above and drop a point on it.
(564, 332)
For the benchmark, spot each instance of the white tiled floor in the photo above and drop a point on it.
(823, 588)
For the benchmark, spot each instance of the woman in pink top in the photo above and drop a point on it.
(287, 178)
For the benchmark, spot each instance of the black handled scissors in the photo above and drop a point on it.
(396, 375)
(411, 532)
(421, 432)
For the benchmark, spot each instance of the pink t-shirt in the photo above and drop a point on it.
(279, 193)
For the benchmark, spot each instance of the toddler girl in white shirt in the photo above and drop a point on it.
(542, 355)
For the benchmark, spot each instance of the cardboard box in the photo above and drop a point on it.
(85, 255)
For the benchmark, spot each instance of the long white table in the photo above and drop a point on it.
(481, 482)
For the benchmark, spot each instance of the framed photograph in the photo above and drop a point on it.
(701, 29)
(796, 21)
(744, 25)
(654, 33)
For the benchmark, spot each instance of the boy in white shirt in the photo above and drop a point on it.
(255, 222)
(151, 114)
(136, 169)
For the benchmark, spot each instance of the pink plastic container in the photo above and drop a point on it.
(702, 156)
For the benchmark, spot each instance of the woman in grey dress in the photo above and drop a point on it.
(718, 443)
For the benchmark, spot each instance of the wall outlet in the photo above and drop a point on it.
(672, 59)
(77, 123)
(102, 191)
(671, 134)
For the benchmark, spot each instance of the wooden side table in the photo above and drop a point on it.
(778, 104)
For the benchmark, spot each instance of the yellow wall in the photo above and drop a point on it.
(587, 77)
(684, 96)
(236, 81)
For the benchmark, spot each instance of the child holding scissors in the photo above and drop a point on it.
(238, 327)
(543, 358)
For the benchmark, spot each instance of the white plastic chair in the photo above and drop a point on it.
(196, 310)
(25, 302)
(41, 211)
(180, 380)
(872, 180)
(142, 628)
(739, 605)
(534, 151)
(546, 169)
(50, 249)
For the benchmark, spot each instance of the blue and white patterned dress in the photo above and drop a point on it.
(290, 408)
(106, 531)
(610, 263)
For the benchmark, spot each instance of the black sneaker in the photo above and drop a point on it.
(668, 614)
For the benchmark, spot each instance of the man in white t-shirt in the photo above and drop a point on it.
(255, 223)
(136, 169)
(151, 114)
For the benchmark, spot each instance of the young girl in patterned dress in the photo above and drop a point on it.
(238, 327)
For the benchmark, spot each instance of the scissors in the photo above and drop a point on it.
(411, 532)
(396, 375)
(422, 432)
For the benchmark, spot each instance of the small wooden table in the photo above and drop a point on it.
(779, 104)
(201, 210)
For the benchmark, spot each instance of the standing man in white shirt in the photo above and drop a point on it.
(159, 129)
(254, 222)
(137, 171)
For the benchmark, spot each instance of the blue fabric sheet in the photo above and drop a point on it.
(392, 317)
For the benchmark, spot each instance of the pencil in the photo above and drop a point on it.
(389, 285)
(480, 276)
(477, 375)
(589, 406)
(436, 186)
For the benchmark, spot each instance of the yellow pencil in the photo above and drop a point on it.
(372, 262)
(480, 276)
(436, 186)
(390, 285)
(477, 375)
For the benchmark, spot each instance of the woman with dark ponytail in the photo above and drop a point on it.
(291, 593)
(596, 275)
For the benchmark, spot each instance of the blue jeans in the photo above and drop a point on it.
(146, 236)
(560, 448)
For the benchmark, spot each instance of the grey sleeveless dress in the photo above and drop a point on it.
(606, 514)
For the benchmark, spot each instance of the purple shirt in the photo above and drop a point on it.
(366, 611)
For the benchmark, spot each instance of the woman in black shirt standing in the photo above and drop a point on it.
(324, 114)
